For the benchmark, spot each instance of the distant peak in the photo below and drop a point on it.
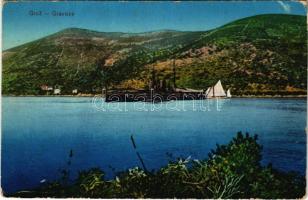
(74, 29)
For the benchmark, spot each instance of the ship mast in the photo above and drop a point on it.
(174, 74)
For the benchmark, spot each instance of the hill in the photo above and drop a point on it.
(263, 54)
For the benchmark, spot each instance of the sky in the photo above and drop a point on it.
(20, 27)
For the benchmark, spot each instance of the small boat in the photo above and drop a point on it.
(216, 91)
(187, 90)
(229, 94)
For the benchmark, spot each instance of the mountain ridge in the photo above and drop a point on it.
(103, 33)
(244, 54)
(151, 31)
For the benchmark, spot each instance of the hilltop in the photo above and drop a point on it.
(264, 54)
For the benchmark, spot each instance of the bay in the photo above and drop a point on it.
(39, 132)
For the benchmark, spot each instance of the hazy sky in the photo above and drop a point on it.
(20, 27)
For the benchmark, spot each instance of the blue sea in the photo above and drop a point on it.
(38, 134)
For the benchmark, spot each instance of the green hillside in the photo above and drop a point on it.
(260, 54)
(263, 54)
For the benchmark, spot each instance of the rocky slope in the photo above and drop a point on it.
(263, 54)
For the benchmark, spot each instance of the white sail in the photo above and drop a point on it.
(218, 90)
(209, 92)
(229, 93)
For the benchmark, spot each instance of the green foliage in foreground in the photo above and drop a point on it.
(231, 171)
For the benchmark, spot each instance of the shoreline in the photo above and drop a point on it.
(96, 95)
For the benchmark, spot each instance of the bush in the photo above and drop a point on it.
(231, 171)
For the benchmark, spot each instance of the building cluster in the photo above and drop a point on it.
(49, 90)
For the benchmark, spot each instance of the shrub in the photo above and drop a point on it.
(230, 171)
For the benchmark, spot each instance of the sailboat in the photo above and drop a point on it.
(207, 91)
(229, 94)
(216, 91)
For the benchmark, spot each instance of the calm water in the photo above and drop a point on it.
(38, 134)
